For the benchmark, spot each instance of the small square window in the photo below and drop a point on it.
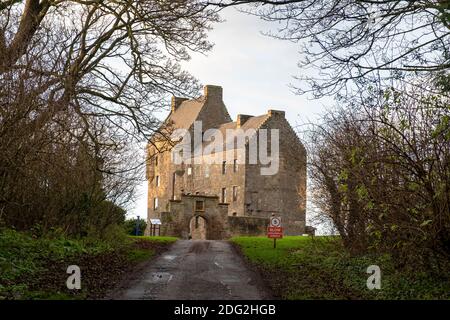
(199, 205)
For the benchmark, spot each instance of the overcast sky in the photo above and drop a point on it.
(254, 71)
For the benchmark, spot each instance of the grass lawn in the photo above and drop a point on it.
(319, 268)
(35, 267)
(145, 247)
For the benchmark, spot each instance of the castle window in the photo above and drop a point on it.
(199, 205)
(234, 214)
(235, 193)
(224, 195)
(224, 165)
(155, 203)
(189, 171)
(235, 165)
(157, 181)
(156, 161)
(207, 171)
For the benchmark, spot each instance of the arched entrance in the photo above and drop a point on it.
(197, 228)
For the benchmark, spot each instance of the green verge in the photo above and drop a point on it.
(35, 267)
(160, 239)
(320, 268)
(146, 247)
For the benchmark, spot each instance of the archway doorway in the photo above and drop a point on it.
(197, 228)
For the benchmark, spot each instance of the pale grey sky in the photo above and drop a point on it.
(254, 71)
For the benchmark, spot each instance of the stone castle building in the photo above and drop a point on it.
(231, 196)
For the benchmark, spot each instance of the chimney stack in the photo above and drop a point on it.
(213, 92)
(276, 113)
(176, 101)
(241, 119)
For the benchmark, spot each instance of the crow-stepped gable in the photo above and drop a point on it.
(228, 197)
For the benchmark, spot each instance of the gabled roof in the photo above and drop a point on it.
(185, 115)
(252, 123)
(255, 122)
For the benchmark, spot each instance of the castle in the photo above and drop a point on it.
(231, 195)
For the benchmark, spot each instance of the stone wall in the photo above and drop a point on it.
(258, 196)
(285, 192)
(178, 220)
(247, 226)
(160, 164)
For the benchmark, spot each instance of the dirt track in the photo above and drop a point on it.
(193, 270)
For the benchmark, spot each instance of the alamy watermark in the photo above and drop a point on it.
(74, 280)
(374, 280)
(214, 147)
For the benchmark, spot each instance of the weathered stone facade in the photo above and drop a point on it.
(238, 199)
(209, 221)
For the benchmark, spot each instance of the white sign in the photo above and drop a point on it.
(155, 221)
(275, 221)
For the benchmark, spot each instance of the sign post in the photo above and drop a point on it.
(137, 226)
(153, 224)
(275, 230)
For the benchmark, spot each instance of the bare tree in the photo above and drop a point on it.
(380, 171)
(116, 59)
(80, 85)
(348, 42)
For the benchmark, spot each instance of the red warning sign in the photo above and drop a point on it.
(275, 232)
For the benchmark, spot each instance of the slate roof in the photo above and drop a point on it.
(189, 110)
(186, 113)
(252, 123)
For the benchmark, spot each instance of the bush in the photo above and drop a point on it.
(34, 267)
(130, 227)
(381, 173)
(319, 268)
